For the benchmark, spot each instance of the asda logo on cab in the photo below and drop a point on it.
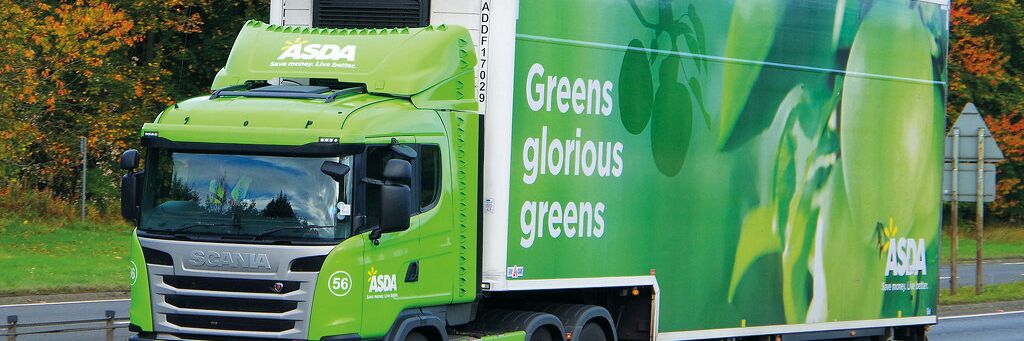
(381, 285)
(299, 49)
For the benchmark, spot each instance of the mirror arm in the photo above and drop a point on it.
(372, 181)
(375, 235)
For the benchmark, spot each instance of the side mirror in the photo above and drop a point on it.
(394, 208)
(335, 170)
(398, 171)
(131, 185)
(396, 196)
(404, 151)
(130, 159)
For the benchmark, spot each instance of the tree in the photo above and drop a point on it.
(100, 69)
(987, 67)
(279, 207)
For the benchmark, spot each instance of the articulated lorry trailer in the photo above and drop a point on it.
(551, 170)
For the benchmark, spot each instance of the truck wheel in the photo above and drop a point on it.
(543, 334)
(592, 332)
(416, 336)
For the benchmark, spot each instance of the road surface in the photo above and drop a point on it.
(993, 273)
(987, 327)
(1004, 326)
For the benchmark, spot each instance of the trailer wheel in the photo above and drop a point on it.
(416, 336)
(592, 332)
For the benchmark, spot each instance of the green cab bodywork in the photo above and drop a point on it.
(428, 107)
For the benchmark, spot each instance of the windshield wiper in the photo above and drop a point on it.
(187, 227)
(279, 229)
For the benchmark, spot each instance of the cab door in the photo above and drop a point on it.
(438, 268)
(394, 266)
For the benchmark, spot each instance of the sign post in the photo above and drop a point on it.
(980, 225)
(958, 186)
(954, 238)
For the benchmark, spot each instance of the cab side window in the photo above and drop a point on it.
(430, 176)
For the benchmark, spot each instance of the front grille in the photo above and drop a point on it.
(231, 284)
(230, 323)
(230, 304)
(216, 305)
(371, 13)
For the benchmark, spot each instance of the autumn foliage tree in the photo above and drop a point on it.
(99, 69)
(986, 67)
(976, 64)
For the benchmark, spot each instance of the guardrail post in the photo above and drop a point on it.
(12, 327)
(110, 325)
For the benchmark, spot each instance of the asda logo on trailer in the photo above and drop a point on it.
(299, 49)
(905, 256)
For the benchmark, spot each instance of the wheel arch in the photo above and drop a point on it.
(410, 321)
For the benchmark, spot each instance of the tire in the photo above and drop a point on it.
(542, 334)
(592, 332)
(416, 336)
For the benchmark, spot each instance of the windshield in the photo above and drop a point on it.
(245, 197)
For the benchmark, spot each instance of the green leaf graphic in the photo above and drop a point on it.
(756, 240)
(751, 34)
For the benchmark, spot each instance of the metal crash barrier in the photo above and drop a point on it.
(110, 321)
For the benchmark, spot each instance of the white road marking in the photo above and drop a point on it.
(981, 315)
(56, 303)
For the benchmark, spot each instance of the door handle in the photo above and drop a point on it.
(412, 274)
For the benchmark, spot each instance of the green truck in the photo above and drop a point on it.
(559, 170)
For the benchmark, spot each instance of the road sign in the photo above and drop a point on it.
(968, 182)
(968, 124)
(970, 152)
(961, 149)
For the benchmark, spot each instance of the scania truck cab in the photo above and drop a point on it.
(550, 170)
(251, 192)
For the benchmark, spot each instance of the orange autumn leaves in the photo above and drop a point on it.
(73, 69)
(976, 54)
(985, 67)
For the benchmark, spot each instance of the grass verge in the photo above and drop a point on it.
(992, 293)
(1001, 242)
(40, 258)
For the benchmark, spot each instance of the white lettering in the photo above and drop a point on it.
(574, 219)
(589, 96)
(318, 52)
(535, 104)
(906, 257)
